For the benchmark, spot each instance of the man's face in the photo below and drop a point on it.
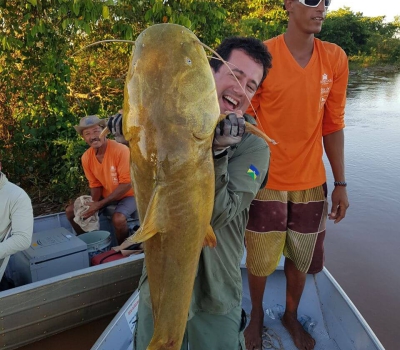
(232, 96)
(91, 136)
(307, 20)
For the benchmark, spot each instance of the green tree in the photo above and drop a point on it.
(49, 78)
(346, 29)
(45, 88)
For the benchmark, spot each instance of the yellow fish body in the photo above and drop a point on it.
(170, 113)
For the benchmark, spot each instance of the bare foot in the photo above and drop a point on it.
(300, 337)
(253, 332)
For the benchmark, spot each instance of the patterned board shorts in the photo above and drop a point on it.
(288, 222)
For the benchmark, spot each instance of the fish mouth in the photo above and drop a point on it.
(231, 101)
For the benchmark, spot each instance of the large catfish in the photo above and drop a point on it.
(170, 113)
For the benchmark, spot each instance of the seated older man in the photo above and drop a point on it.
(106, 166)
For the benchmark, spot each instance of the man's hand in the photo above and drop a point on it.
(229, 132)
(340, 203)
(93, 208)
(114, 124)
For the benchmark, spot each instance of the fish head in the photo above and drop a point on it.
(170, 82)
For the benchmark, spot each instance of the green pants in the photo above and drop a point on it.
(203, 331)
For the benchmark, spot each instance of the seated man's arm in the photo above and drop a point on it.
(96, 205)
(116, 194)
(96, 193)
(21, 226)
(238, 180)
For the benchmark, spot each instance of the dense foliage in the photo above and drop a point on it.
(47, 82)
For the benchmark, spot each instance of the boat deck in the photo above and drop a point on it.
(310, 306)
(339, 325)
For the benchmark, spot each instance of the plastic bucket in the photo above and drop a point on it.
(97, 242)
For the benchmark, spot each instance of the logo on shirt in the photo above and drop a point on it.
(114, 175)
(325, 88)
(325, 79)
(253, 172)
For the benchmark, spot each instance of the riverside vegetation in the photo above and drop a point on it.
(47, 84)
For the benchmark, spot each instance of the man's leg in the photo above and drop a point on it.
(304, 253)
(295, 281)
(216, 332)
(265, 239)
(120, 227)
(253, 333)
(144, 327)
(69, 212)
(124, 209)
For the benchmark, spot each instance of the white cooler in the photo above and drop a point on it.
(52, 253)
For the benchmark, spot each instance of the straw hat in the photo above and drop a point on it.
(89, 121)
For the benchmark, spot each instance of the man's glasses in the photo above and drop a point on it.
(314, 3)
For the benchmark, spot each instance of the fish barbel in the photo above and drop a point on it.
(170, 113)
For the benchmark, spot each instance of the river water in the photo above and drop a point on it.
(362, 251)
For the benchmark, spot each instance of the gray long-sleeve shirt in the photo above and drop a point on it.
(218, 284)
(15, 212)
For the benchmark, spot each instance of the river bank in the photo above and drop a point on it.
(362, 67)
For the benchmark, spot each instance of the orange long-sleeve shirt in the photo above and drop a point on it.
(296, 107)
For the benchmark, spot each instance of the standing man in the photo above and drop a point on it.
(216, 320)
(301, 105)
(15, 214)
(106, 166)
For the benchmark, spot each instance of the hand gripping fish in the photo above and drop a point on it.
(170, 114)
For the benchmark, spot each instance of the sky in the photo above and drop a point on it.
(370, 8)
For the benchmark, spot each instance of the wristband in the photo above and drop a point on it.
(340, 183)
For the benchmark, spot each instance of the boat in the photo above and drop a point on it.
(335, 322)
(37, 310)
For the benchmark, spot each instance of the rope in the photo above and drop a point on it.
(271, 340)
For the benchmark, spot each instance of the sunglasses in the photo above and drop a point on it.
(314, 3)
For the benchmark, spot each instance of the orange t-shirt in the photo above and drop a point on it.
(298, 106)
(114, 169)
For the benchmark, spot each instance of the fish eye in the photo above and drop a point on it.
(188, 61)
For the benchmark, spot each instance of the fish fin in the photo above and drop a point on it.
(145, 232)
(149, 227)
(210, 240)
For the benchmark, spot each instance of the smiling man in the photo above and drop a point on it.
(301, 105)
(106, 166)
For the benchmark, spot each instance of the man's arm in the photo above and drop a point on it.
(334, 149)
(235, 186)
(96, 192)
(21, 226)
(120, 190)
(333, 136)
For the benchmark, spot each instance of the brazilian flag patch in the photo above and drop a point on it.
(253, 172)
